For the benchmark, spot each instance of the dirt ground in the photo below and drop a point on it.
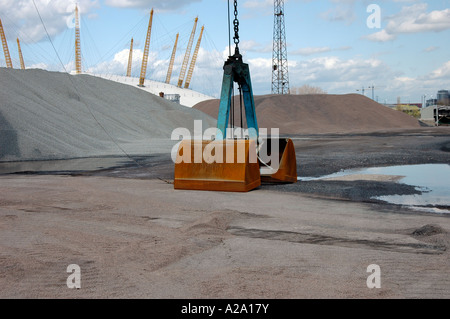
(133, 236)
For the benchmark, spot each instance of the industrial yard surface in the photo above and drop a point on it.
(133, 236)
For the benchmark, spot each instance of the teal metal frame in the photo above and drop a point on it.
(236, 71)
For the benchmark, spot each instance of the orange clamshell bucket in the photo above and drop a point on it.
(222, 165)
(285, 171)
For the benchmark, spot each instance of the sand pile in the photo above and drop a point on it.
(50, 115)
(317, 114)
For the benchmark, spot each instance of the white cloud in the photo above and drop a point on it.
(336, 75)
(146, 4)
(442, 72)
(255, 4)
(119, 64)
(380, 36)
(310, 51)
(261, 74)
(431, 49)
(20, 17)
(333, 74)
(413, 19)
(260, 64)
(207, 76)
(41, 65)
(413, 88)
(343, 11)
(254, 46)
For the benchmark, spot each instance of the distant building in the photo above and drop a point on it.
(431, 102)
(173, 97)
(443, 97)
(436, 115)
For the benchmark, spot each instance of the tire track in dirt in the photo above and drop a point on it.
(316, 239)
(109, 246)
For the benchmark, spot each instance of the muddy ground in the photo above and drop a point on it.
(319, 155)
(134, 236)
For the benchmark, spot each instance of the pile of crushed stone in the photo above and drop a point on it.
(320, 114)
(52, 115)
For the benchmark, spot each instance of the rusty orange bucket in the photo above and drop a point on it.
(277, 161)
(223, 165)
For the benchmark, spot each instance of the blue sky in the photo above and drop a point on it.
(330, 43)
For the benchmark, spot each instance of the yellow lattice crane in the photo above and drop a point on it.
(130, 59)
(5, 47)
(77, 42)
(187, 55)
(22, 63)
(146, 51)
(194, 60)
(172, 60)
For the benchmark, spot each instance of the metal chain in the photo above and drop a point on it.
(236, 24)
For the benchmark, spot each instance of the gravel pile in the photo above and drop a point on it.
(50, 115)
(320, 114)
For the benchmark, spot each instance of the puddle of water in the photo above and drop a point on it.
(433, 180)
